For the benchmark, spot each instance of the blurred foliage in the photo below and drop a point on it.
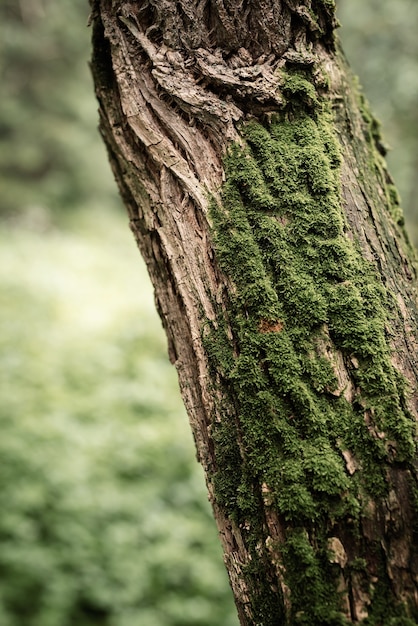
(381, 43)
(104, 516)
(103, 519)
(50, 151)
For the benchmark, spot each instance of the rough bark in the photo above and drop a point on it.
(253, 175)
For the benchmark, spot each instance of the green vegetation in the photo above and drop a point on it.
(105, 519)
(51, 157)
(104, 516)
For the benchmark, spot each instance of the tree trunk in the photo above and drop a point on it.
(253, 174)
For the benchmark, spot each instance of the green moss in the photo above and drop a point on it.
(302, 284)
(394, 204)
(385, 611)
(299, 89)
(358, 565)
(375, 163)
(372, 128)
(309, 571)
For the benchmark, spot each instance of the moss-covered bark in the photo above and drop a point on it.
(253, 173)
(323, 412)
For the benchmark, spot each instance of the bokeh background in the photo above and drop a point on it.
(104, 519)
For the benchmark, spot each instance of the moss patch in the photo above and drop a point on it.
(375, 164)
(309, 573)
(302, 284)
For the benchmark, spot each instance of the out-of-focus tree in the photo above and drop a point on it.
(50, 155)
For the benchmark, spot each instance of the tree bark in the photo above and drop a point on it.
(254, 178)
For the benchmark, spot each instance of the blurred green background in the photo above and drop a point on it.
(103, 512)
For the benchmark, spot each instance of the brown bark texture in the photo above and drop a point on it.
(254, 178)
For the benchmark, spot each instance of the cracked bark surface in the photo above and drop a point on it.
(175, 82)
